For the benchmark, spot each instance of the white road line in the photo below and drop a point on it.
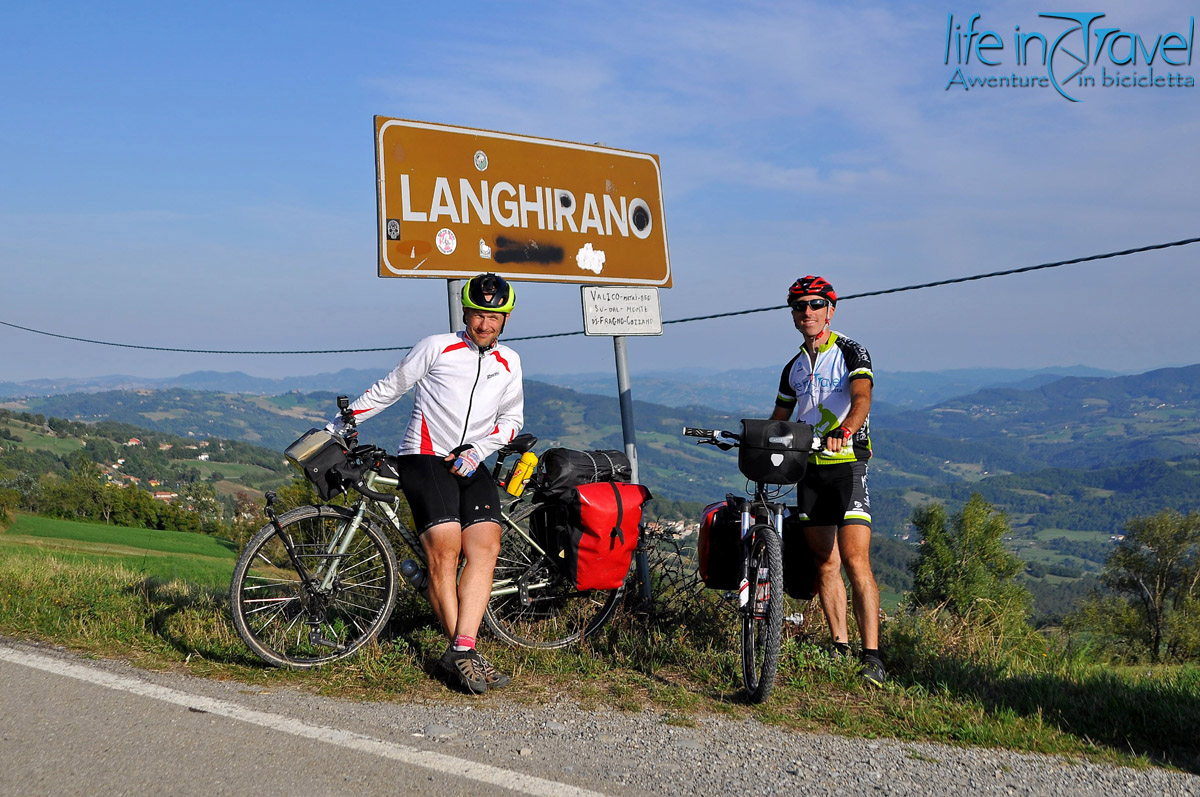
(437, 762)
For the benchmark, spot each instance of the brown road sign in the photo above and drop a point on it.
(455, 201)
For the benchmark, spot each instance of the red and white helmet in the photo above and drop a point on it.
(812, 286)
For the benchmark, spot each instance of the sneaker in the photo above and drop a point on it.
(494, 678)
(837, 649)
(464, 668)
(873, 671)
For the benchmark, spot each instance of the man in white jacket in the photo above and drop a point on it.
(468, 403)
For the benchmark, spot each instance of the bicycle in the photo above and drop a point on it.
(771, 454)
(318, 583)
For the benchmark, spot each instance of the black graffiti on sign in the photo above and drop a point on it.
(512, 251)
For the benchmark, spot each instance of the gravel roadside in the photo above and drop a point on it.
(643, 753)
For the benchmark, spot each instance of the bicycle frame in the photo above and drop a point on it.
(375, 481)
(756, 511)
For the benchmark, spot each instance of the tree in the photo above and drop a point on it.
(963, 565)
(1156, 569)
(200, 499)
(966, 602)
(9, 501)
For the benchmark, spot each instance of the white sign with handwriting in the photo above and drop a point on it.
(621, 311)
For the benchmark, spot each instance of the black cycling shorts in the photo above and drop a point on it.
(834, 495)
(438, 496)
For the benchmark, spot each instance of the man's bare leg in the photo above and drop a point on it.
(823, 542)
(443, 545)
(854, 543)
(480, 546)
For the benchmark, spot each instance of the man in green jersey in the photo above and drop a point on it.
(829, 384)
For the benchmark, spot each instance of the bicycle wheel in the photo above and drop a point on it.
(324, 611)
(762, 616)
(533, 605)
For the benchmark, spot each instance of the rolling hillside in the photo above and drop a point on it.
(1069, 461)
(1072, 437)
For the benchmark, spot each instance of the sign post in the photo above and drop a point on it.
(619, 312)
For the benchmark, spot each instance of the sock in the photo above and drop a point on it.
(463, 642)
(842, 648)
(869, 653)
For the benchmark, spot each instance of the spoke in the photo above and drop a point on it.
(269, 583)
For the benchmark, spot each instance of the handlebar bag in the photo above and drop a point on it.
(774, 452)
(560, 469)
(719, 547)
(602, 533)
(322, 458)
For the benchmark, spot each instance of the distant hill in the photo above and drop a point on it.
(346, 380)
(560, 417)
(1072, 422)
(752, 390)
(735, 391)
(1069, 461)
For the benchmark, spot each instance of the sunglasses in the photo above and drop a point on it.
(815, 304)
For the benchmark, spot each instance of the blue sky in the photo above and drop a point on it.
(203, 177)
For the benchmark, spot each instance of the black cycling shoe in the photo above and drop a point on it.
(873, 671)
(465, 670)
(494, 678)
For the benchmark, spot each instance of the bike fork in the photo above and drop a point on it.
(287, 541)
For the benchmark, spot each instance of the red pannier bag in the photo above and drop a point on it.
(719, 546)
(603, 533)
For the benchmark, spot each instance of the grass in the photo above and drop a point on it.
(1073, 534)
(93, 589)
(59, 446)
(237, 471)
(150, 553)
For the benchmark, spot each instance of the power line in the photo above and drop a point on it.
(988, 275)
(883, 292)
(193, 351)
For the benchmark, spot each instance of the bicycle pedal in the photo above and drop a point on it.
(315, 638)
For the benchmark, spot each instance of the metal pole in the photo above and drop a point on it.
(454, 297)
(626, 397)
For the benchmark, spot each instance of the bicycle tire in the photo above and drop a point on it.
(762, 616)
(556, 614)
(290, 625)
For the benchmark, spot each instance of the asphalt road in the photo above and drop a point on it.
(75, 726)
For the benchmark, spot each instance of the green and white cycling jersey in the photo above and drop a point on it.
(820, 392)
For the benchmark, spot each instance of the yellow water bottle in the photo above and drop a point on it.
(521, 472)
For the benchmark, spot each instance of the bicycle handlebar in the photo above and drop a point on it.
(727, 440)
(688, 431)
(361, 485)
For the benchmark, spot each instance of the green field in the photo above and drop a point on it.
(237, 471)
(1073, 534)
(161, 555)
(59, 446)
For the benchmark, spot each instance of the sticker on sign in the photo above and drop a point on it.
(540, 209)
(621, 311)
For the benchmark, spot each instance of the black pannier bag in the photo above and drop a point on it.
(774, 452)
(719, 547)
(560, 469)
(799, 562)
(548, 526)
(321, 457)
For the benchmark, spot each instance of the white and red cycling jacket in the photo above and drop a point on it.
(464, 396)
